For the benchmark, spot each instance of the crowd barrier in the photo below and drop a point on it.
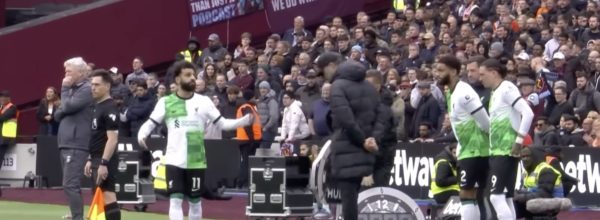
(410, 174)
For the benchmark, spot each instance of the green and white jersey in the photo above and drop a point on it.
(471, 132)
(185, 120)
(504, 118)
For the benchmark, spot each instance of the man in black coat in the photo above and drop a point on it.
(140, 108)
(428, 109)
(570, 135)
(544, 134)
(358, 124)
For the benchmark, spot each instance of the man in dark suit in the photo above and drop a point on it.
(294, 35)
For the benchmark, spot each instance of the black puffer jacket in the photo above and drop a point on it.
(357, 114)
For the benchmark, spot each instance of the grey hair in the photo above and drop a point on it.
(78, 64)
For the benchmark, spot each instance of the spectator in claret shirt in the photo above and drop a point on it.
(244, 79)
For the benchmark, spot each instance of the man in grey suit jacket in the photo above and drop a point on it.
(75, 116)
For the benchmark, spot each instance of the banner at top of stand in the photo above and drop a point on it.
(281, 13)
(206, 12)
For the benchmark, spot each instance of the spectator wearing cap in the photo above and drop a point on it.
(356, 54)
(570, 134)
(139, 109)
(522, 59)
(215, 52)
(309, 93)
(427, 109)
(559, 64)
(46, 111)
(118, 89)
(268, 109)
(138, 71)
(526, 86)
(430, 48)
(328, 63)
(293, 35)
(497, 51)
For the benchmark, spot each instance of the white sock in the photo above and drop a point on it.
(175, 211)
(502, 210)
(469, 210)
(511, 206)
(195, 210)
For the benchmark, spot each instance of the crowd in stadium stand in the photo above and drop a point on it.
(551, 50)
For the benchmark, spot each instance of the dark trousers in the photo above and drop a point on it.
(3, 149)
(349, 190)
(247, 149)
(267, 139)
(443, 197)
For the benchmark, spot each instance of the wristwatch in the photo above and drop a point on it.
(104, 162)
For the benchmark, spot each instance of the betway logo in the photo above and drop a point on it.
(587, 171)
(411, 171)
